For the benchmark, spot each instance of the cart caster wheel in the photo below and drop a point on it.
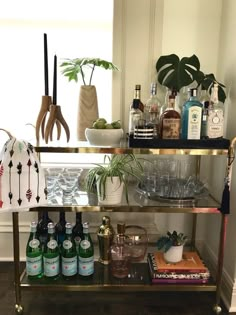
(217, 309)
(18, 309)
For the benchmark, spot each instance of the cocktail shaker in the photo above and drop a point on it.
(105, 236)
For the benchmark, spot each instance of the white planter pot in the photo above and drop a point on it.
(174, 254)
(113, 191)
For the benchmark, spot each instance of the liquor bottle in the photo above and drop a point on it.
(86, 253)
(42, 228)
(204, 124)
(34, 257)
(215, 125)
(51, 254)
(60, 229)
(120, 254)
(77, 230)
(68, 254)
(136, 110)
(105, 236)
(170, 121)
(192, 117)
(152, 110)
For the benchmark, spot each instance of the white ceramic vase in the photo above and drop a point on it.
(174, 254)
(113, 191)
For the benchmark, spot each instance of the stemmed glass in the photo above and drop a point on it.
(52, 175)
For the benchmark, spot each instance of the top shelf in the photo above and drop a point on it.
(159, 147)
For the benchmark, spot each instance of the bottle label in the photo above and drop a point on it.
(69, 266)
(51, 266)
(171, 128)
(215, 127)
(194, 122)
(67, 244)
(34, 243)
(86, 266)
(34, 265)
(52, 244)
(85, 244)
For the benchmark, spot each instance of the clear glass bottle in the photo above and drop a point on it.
(34, 257)
(60, 228)
(86, 253)
(120, 254)
(77, 230)
(152, 110)
(170, 121)
(192, 117)
(215, 125)
(42, 228)
(69, 254)
(51, 254)
(135, 114)
(105, 236)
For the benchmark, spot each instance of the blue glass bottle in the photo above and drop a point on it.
(191, 117)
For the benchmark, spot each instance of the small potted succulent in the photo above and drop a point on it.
(111, 178)
(172, 244)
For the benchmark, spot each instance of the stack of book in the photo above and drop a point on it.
(190, 270)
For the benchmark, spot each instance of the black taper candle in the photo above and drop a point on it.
(46, 63)
(54, 99)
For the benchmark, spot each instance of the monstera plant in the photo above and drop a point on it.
(207, 81)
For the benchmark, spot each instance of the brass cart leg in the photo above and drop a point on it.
(224, 220)
(15, 220)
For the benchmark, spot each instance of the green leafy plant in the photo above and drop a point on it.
(119, 165)
(176, 73)
(74, 67)
(207, 81)
(171, 239)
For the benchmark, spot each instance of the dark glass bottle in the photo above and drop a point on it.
(77, 231)
(86, 253)
(60, 228)
(42, 228)
(34, 257)
(136, 110)
(69, 254)
(51, 255)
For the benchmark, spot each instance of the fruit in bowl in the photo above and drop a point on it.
(103, 133)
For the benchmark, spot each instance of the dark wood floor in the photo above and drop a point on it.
(72, 303)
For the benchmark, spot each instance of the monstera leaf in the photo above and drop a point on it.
(176, 73)
(207, 82)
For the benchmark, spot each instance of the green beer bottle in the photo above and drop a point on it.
(68, 254)
(86, 253)
(51, 255)
(34, 260)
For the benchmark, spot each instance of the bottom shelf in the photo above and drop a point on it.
(103, 281)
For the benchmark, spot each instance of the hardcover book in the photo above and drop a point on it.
(190, 263)
(179, 281)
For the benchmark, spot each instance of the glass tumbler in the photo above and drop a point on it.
(52, 175)
(68, 183)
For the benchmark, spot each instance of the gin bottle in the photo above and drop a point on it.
(170, 121)
(192, 117)
(77, 230)
(51, 255)
(215, 125)
(60, 229)
(86, 253)
(68, 254)
(34, 258)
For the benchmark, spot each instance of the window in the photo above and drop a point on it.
(74, 28)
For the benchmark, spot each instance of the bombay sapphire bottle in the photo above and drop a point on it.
(192, 117)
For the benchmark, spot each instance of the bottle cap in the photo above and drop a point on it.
(137, 87)
(68, 225)
(85, 225)
(106, 220)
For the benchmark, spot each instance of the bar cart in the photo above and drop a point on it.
(102, 280)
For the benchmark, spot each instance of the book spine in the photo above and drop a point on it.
(179, 281)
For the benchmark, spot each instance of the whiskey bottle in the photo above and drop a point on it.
(170, 121)
(152, 110)
(60, 228)
(215, 125)
(51, 254)
(68, 254)
(192, 117)
(136, 110)
(86, 253)
(34, 258)
(77, 230)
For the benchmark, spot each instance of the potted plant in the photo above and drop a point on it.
(172, 244)
(88, 104)
(111, 178)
